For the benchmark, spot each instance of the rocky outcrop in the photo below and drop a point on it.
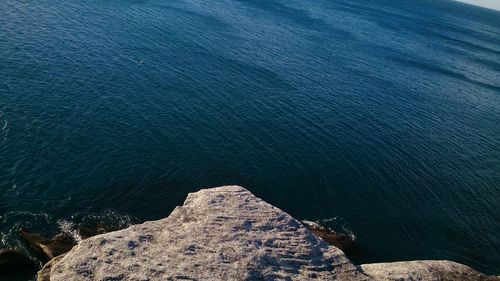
(424, 270)
(223, 233)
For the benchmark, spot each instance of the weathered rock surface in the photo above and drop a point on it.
(44, 273)
(428, 270)
(224, 233)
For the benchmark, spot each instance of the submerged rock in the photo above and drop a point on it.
(339, 240)
(48, 248)
(13, 261)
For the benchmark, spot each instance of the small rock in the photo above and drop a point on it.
(423, 270)
(341, 241)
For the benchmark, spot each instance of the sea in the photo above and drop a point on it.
(378, 118)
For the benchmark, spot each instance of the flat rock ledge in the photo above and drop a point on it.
(226, 233)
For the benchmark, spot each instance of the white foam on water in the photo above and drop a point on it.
(69, 228)
(5, 130)
(110, 217)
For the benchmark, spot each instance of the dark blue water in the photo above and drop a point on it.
(379, 117)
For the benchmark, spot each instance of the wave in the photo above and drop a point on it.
(45, 224)
(107, 218)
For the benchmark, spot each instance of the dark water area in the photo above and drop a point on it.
(379, 117)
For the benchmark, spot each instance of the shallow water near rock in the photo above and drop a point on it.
(381, 114)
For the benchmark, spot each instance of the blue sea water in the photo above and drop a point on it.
(379, 117)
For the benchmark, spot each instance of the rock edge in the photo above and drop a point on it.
(226, 233)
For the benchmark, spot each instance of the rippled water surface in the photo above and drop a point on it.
(379, 117)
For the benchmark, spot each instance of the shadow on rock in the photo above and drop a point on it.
(44, 273)
(89, 230)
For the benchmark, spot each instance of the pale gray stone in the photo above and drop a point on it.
(226, 233)
(428, 270)
(223, 233)
(44, 273)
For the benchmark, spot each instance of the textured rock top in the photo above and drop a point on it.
(428, 270)
(226, 233)
(223, 233)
